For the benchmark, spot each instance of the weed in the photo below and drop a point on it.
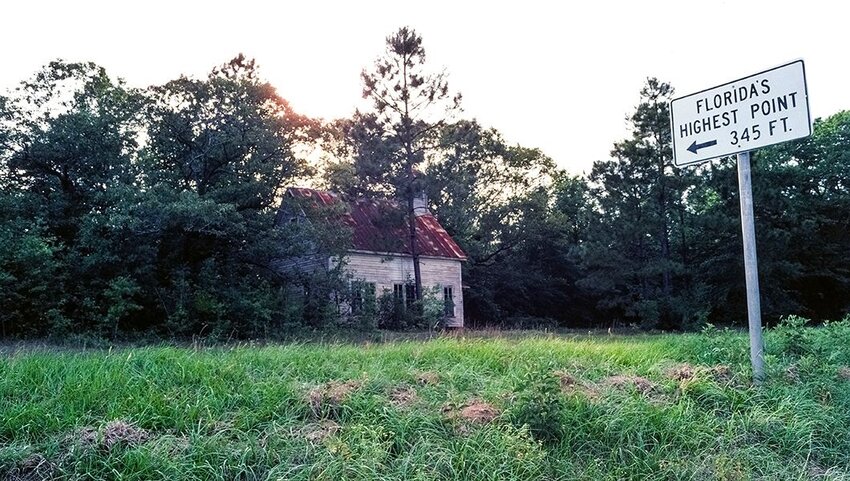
(539, 406)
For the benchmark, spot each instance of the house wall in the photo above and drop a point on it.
(304, 263)
(386, 270)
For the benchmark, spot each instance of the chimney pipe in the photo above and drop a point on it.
(420, 204)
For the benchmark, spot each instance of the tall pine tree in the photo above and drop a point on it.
(639, 245)
(410, 104)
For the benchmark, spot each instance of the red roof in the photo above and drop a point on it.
(381, 226)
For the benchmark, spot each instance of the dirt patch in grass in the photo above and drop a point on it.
(474, 411)
(403, 396)
(818, 472)
(85, 437)
(428, 378)
(32, 468)
(687, 372)
(682, 372)
(318, 433)
(115, 433)
(792, 374)
(221, 426)
(178, 445)
(844, 373)
(721, 373)
(121, 432)
(571, 385)
(623, 382)
(479, 412)
(568, 381)
(331, 395)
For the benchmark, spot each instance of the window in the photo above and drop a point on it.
(362, 294)
(448, 302)
(404, 294)
(409, 295)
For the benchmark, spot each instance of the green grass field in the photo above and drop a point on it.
(525, 407)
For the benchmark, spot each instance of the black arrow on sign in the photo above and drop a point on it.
(695, 146)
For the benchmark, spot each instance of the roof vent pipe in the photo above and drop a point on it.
(420, 204)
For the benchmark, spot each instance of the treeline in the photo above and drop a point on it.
(151, 211)
(639, 241)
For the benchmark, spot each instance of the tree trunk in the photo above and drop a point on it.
(411, 193)
(411, 222)
(667, 278)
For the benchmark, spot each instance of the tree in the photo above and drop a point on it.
(358, 165)
(221, 150)
(821, 222)
(800, 192)
(229, 137)
(146, 211)
(632, 261)
(70, 141)
(69, 138)
(496, 201)
(406, 99)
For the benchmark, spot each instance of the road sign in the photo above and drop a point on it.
(734, 118)
(743, 115)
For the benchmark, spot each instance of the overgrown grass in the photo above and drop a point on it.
(532, 407)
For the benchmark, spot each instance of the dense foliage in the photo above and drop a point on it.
(147, 211)
(128, 211)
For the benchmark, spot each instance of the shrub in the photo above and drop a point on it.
(426, 313)
(792, 337)
(539, 406)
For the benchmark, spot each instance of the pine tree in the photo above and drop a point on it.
(410, 105)
(639, 242)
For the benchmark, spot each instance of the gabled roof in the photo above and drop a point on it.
(380, 225)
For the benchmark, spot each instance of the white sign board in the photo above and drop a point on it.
(763, 109)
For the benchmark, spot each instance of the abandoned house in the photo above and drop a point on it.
(378, 259)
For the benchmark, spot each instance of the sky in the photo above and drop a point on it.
(559, 76)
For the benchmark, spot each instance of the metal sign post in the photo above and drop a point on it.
(751, 270)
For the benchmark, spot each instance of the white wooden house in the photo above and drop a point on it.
(379, 258)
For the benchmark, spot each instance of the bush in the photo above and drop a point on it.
(792, 337)
(426, 313)
(529, 322)
(366, 318)
(832, 341)
(719, 346)
(827, 342)
(540, 407)
(31, 293)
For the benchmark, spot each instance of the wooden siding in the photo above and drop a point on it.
(387, 270)
(304, 263)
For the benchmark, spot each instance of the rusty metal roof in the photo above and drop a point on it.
(380, 225)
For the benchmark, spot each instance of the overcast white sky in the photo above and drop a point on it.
(560, 76)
